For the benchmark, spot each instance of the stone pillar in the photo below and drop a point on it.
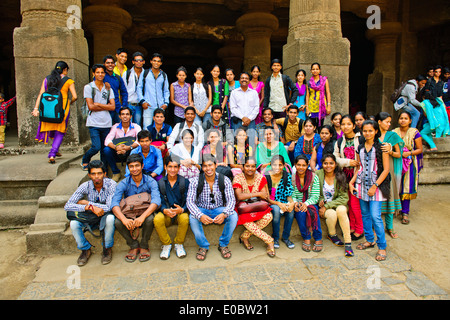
(257, 27)
(232, 55)
(46, 35)
(107, 24)
(315, 36)
(382, 82)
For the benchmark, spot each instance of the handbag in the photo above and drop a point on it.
(88, 218)
(134, 206)
(252, 205)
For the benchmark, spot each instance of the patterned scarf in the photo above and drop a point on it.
(313, 214)
(321, 88)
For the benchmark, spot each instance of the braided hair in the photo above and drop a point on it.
(385, 185)
(247, 147)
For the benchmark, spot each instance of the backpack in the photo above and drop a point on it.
(180, 130)
(162, 189)
(145, 76)
(201, 182)
(51, 107)
(85, 112)
(286, 121)
(398, 92)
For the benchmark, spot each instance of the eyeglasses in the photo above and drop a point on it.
(213, 201)
(138, 60)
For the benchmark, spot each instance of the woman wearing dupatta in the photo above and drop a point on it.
(412, 162)
(306, 197)
(247, 185)
(56, 131)
(318, 104)
(392, 144)
(269, 148)
(437, 120)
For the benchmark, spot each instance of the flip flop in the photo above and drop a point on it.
(145, 256)
(306, 247)
(380, 257)
(131, 257)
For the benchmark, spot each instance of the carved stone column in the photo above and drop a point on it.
(257, 27)
(381, 83)
(315, 36)
(107, 24)
(232, 55)
(46, 35)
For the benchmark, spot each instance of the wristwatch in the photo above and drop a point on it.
(377, 184)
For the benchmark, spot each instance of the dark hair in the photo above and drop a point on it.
(267, 108)
(277, 157)
(55, 76)
(96, 66)
(215, 131)
(125, 108)
(316, 63)
(385, 185)
(445, 70)
(182, 69)
(135, 157)
(257, 67)
(437, 67)
(301, 157)
(216, 107)
(159, 110)
(189, 109)
(275, 61)
(249, 76)
(292, 106)
(96, 164)
(381, 116)
(330, 129)
(137, 54)
(108, 57)
(310, 120)
(208, 157)
(250, 158)
(121, 50)
(144, 134)
(421, 77)
(304, 73)
(171, 158)
(187, 131)
(404, 112)
(336, 114)
(339, 173)
(157, 55)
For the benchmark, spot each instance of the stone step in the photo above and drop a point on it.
(436, 159)
(434, 175)
(17, 213)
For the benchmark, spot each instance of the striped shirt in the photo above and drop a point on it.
(87, 190)
(313, 192)
(205, 199)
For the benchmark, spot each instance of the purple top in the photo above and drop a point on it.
(180, 95)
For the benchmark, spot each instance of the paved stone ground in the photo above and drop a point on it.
(292, 275)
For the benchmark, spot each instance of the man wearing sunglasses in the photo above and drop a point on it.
(131, 79)
(211, 200)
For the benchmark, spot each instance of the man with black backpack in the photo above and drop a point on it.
(211, 199)
(173, 189)
(292, 127)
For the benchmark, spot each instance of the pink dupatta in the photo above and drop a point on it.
(321, 88)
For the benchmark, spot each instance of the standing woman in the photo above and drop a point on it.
(333, 202)
(328, 137)
(336, 122)
(306, 143)
(220, 93)
(345, 153)
(57, 79)
(319, 102)
(393, 145)
(258, 85)
(303, 93)
(360, 117)
(306, 197)
(279, 183)
(412, 162)
(201, 94)
(371, 185)
(180, 95)
(248, 185)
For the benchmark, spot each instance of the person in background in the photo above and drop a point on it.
(303, 93)
(3, 117)
(131, 80)
(258, 85)
(117, 85)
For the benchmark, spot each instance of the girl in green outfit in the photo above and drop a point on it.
(392, 144)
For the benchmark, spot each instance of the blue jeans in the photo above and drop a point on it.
(78, 230)
(228, 229)
(136, 112)
(300, 216)
(98, 136)
(371, 216)
(147, 116)
(415, 114)
(288, 219)
(111, 159)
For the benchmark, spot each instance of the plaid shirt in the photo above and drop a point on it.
(4, 110)
(204, 200)
(100, 199)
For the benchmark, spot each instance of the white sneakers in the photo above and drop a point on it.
(165, 251)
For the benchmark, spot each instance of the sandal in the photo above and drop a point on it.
(144, 256)
(201, 254)
(246, 243)
(364, 246)
(132, 255)
(306, 246)
(270, 251)
(405, 219)
(225, 252)
(51, 160)
(392, 233)
(380, 257)
(317, 247)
